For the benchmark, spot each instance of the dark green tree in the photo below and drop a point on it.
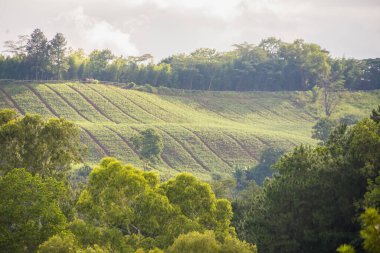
(29, 210)
(311, 204)
(58, 59)
(149, 144)
(322, 129)
(37, 50)
(375, 116)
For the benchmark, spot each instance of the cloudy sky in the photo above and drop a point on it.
(349, 28)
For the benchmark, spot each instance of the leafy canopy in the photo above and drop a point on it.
(137, 210)
(149, 144)
(29, 210)
(47, 147)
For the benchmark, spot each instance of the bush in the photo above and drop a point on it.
(131, 85)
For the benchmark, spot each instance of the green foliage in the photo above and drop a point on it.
(64, 243)
(264, 170)
(150, 145)
(44, 147)
(345, 249)
(197, 202)
(255, 121)
(272, 65)
(370, 231)
(125, 208)
(6, 116)
(29, 210)
(376, 115)
(309, 206)
(348, 120)
(372, 196)
(98, 61)
(37, 54)
(57, 54)
(195, 242)
(76, 61)
(232, 245)
(322, 129)
(124, 199)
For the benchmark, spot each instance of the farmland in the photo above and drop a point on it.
(203, 132)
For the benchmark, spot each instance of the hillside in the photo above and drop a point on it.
(203, 132)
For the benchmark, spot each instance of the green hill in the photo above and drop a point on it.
(203, 132)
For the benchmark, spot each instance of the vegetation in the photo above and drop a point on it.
(203, 132)
(42, 147)
(317, 195)
(29, 210)
(272, 65)
(319, 198)
(245, 121)
(149, 144)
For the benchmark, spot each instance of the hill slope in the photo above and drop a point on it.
(204, 132)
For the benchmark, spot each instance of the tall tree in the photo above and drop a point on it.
(58, 58)
(76, 61)
(17, 47)
(38, 54)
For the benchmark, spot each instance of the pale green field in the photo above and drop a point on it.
(203, 132)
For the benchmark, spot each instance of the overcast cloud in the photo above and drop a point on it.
(349, 28)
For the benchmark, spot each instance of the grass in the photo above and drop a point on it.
(203, 132)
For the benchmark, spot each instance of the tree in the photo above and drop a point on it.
(66, 242)
(195, 242)
(44, 147)
(17, 47)
(60, 243)
(322, 129)
(58, 58)
(311, 204)
(375, 116)
(330, 97)
(149, 144)
(197, 201)
(271, 45)
(98, 62)
(125, 208)
(76, 61)
(38, 53)
(264, 170)
(29, 210)
(370, 231)
(306, 64)
(122, 201)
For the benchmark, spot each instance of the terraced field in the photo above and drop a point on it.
(203, 132)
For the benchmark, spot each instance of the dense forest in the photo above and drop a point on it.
(271, 65)
(320, 198)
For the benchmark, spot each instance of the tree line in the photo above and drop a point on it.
(272, 65)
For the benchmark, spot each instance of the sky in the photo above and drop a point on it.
(346, 28)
